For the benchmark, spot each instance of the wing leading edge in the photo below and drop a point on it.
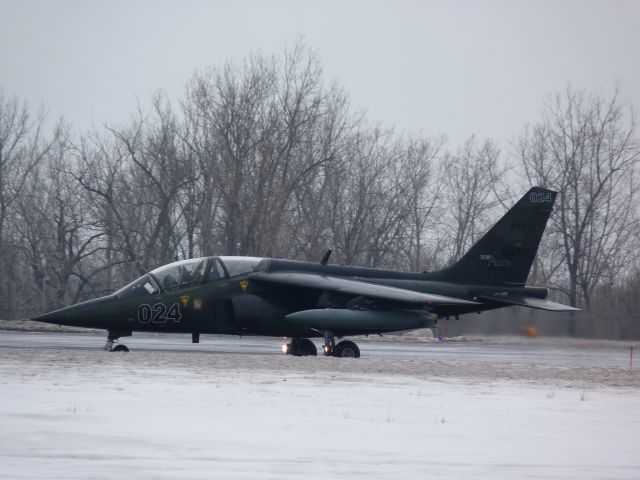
(357, 288)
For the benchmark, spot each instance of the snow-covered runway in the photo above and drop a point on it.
(74, 413)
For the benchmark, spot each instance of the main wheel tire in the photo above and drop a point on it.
(307, 347)
(120, 348)
(346, 348)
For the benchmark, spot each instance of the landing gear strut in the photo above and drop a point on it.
(300, 347)
(112, 338)
(329, 344)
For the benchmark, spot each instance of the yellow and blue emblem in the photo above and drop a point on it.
(185, 300)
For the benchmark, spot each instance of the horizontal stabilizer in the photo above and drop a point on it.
(357, 288)
(532, 302)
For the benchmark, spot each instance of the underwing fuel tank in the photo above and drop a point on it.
(346, 319)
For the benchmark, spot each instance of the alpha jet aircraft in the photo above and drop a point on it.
(303, 300)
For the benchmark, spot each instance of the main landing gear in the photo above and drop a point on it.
(345, 348)
(112, 338)
(301, 347)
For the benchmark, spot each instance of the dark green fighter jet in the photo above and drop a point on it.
(302, 300)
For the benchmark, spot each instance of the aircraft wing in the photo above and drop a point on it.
(532, 302)
(357, 288)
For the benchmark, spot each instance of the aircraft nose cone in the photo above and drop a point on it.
(81, 314)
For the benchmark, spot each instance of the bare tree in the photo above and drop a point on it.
(54, 218)
(135, 179)
(262, 131)
(586, 149)
(423, 173)
(356, 195)
(102, 171)
(22, 148)
(471, 175)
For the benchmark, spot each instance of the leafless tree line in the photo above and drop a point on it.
(265, 157)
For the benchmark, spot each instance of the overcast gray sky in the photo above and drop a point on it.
(453, 67)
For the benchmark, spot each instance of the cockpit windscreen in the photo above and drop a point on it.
(145, 285)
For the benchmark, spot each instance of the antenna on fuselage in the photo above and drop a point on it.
(325, 259)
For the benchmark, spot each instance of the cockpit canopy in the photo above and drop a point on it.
(180, 274)
(187, 273)
(241, 265)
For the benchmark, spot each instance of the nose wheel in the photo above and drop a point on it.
(112, 338)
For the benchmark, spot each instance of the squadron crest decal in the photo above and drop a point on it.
(185, 300)
(197, 303)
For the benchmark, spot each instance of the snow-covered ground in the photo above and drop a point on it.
(91, 414)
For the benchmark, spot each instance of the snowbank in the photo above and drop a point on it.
(87, 414)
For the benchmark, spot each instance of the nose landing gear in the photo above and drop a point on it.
(112, 338)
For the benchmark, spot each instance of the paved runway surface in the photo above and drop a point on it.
(534, 352)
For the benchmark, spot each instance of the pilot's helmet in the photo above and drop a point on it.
(169, 281)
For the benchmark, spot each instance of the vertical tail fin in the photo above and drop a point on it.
(504, 255)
